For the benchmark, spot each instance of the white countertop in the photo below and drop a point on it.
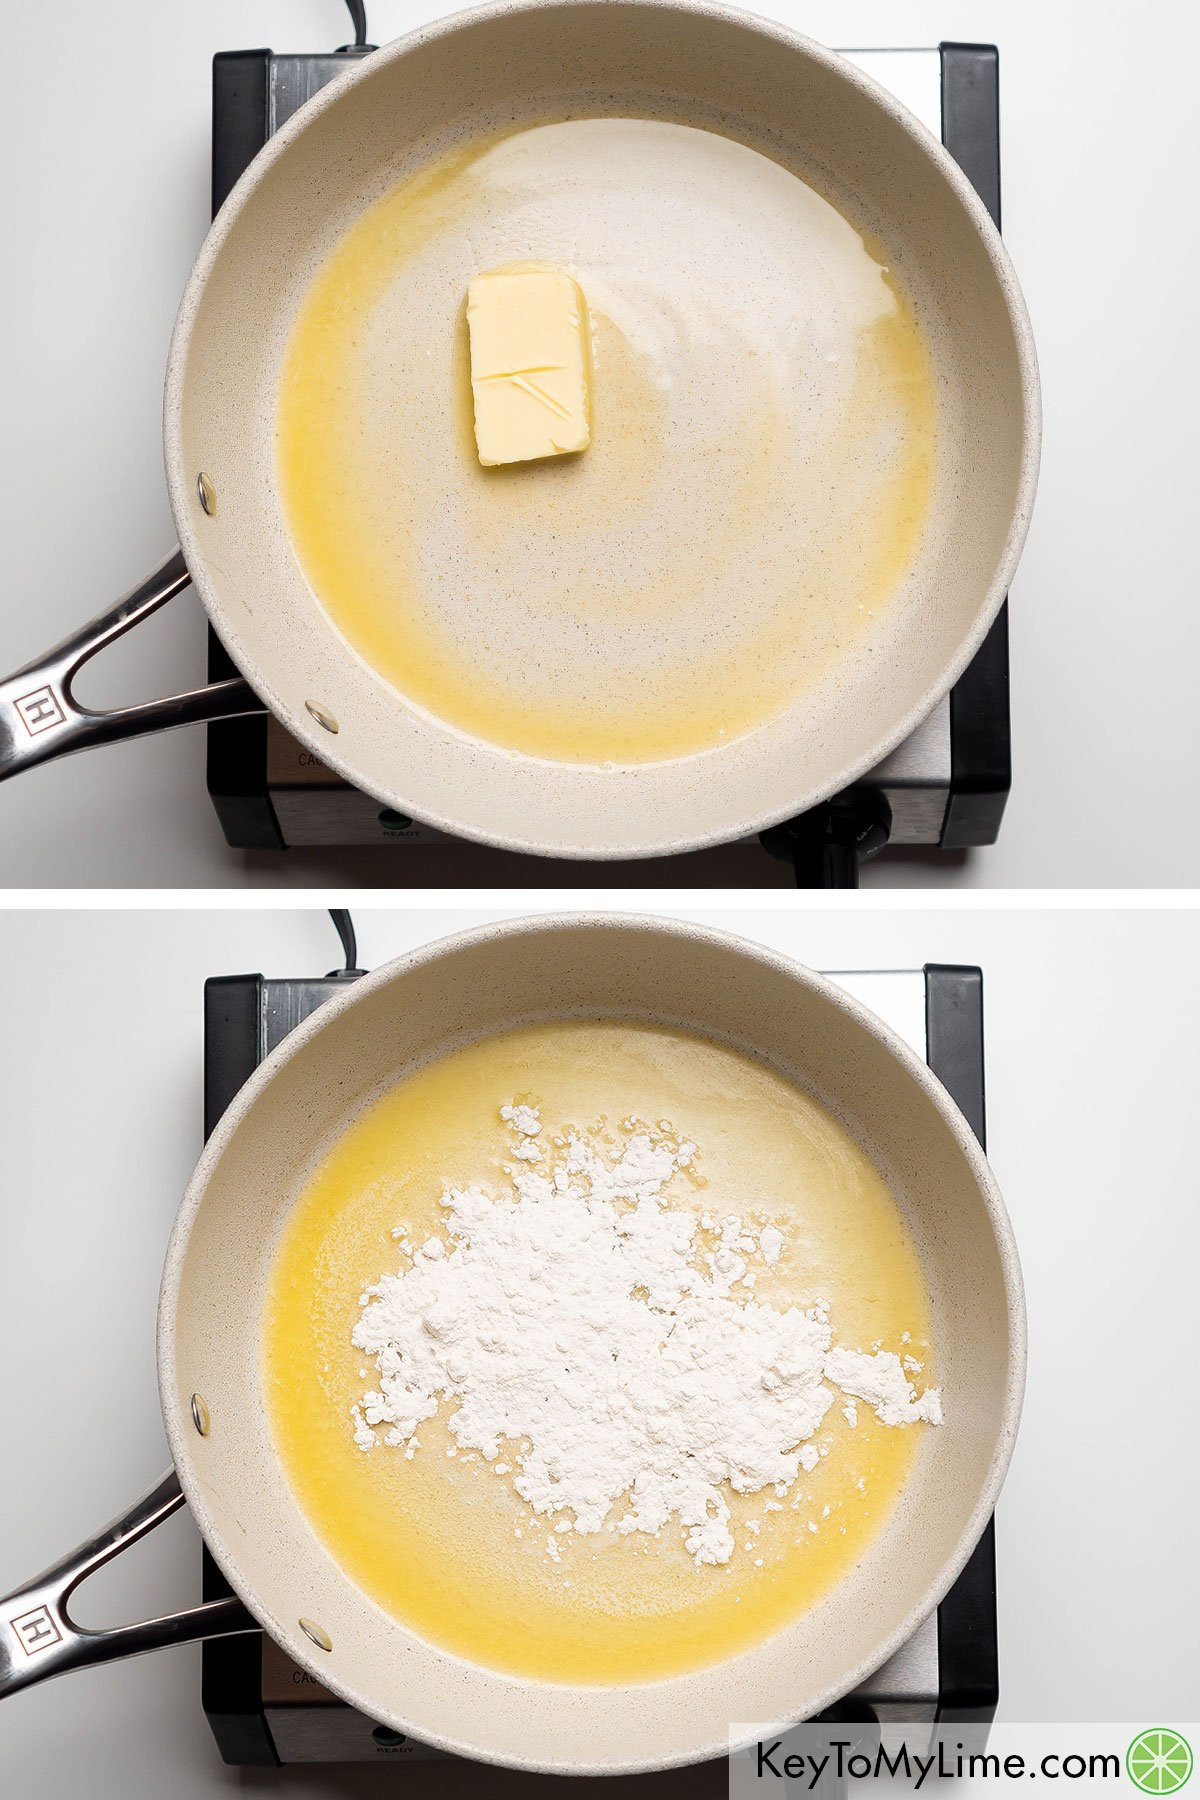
(1092, 1068)
(105, 131)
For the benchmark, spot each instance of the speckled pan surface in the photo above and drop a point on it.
(476, 984)
(441, 87)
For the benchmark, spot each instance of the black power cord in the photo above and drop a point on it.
(344, 926)
(358, 14)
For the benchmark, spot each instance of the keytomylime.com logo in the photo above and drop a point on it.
(1159, 1761)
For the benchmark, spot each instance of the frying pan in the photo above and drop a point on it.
(211, 1384)
(671, 59)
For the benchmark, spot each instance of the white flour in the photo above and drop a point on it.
(609, 1343)
(880, 1381)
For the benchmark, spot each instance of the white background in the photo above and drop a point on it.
(1092, 1074)
(105, 135)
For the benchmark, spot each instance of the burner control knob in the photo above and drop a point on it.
(386, 1738)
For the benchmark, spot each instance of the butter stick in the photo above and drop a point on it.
(530, 364)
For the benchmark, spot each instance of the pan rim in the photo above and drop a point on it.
(780, 964)
(316, 740)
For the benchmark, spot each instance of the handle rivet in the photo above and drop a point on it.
(321, 716)
(206, 493)
(200, 1418)
(320, 1638)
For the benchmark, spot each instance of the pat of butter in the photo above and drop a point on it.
(530, 363)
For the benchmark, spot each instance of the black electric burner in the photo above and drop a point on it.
(265, 1710)
(945, 787)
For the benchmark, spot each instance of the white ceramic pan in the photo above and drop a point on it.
(212, 1391)
(811, 111)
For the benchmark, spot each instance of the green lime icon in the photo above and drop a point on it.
(1159, 1761)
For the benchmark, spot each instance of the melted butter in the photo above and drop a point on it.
(433, 1540)
(757, 485)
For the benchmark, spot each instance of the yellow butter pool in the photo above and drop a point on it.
(762, 457)
(447, 1546)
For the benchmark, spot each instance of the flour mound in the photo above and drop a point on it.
(592, 1330)
(880, 1381)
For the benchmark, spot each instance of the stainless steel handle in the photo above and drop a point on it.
(38, 1638)
(40, 719)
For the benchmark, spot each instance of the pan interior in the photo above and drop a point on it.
(762, 462)
(400, 1019)
(495, 73)
(437, 1531)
